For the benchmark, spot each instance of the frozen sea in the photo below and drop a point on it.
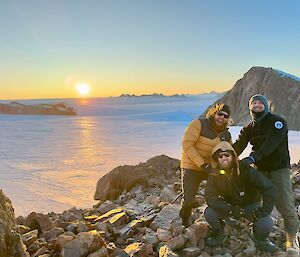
(52, 163)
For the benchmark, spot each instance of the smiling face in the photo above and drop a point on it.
(225, 159)
(257, 106)
(221, 118)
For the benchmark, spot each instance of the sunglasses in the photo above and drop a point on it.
(220, 155)
(225, 115)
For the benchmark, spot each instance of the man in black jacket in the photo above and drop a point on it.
(232, 191)
(267, 133)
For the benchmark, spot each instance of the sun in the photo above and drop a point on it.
(83, 89)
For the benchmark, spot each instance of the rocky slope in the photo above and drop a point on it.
(282, 90)
(136, 217)
(10, 242)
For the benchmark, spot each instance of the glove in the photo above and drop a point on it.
(256, 214)
(206, 167)
(236, 212)
(246, 162)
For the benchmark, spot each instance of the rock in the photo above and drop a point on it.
(109, 214)
(106, 207)
(117, 252)
(111, 185)
(165, 251)
(163, 163)
(53, 233)
(72, 228)
(118, 219)
(10, 241)
(39, 221)
(81, 227)
(152, 200)
(133, 248)
(29, 237)
(150, 237)
(40, 252)
(167, 194)
(36, 245)
(62, 240)
(196, 232)
(249, 251)
(191, 252)
(204, 254)
(22, 229)
(84, 244)
(176, 243)
(138, 209)
(103, 252)
(102, 226)
(163, 235)
(128, 229)
(165, 217)
(139, 250)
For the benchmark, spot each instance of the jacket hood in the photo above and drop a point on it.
(223, 146)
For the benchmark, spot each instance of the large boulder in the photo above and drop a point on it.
(110, 186)
(10, 242)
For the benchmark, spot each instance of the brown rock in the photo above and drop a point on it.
(39, 221)
(163, 235)
(165, 251)
(40, 252)
(191, 252)
(53, 233)
(84, 244)
(29, 237)
(103, 252)
(110, 186)
(167, 194)
(176, 243)
(62, 240)
(165, 217)
(106, 207)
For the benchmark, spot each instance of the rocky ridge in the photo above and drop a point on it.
(281, 89)
(136, 216)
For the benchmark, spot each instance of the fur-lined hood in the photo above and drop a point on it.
(224, 146)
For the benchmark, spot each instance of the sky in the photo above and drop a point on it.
(141, 47)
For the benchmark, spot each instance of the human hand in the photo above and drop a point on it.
(246, 162)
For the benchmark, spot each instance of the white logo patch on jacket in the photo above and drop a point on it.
(278, 124)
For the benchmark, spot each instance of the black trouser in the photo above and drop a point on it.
(190, 180)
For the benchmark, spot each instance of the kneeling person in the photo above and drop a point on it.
(233, 192)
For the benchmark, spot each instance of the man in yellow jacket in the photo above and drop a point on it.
(200, 137)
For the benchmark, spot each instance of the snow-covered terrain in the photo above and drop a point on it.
(52, 163)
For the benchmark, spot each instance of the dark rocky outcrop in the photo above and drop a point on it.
(282, 90)
(10, 242)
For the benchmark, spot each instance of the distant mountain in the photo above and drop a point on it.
(152, 95)
(282, 90)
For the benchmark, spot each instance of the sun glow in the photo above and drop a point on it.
(83, 89)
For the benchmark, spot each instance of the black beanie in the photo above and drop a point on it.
(225, 108)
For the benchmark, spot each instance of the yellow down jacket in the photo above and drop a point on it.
(198, 142)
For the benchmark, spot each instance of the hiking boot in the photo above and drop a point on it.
(215, 238)
(292, 245)
(265, 245)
